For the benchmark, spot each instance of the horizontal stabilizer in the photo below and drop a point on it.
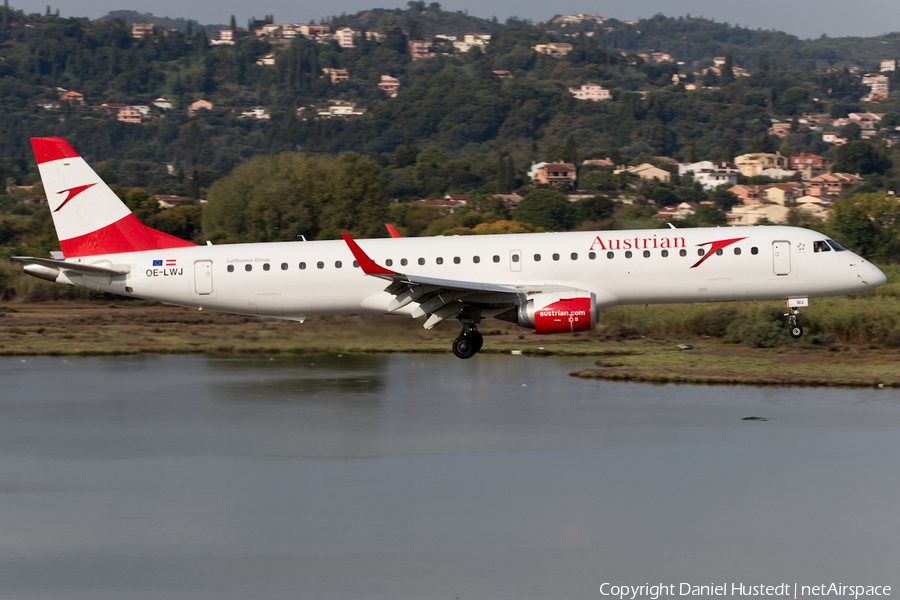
(70, 266)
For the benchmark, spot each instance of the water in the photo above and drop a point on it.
(428, 477)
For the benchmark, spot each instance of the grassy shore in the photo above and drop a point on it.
(633, 343)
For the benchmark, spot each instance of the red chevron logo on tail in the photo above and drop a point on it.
(72, 193)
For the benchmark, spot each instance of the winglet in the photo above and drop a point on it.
(394, 233)
(369, 266)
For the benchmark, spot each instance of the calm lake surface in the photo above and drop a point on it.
(409, 476)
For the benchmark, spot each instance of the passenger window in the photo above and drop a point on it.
(574, 256)
(556, 257)
(320, 265)
(719, 252)
(389, 262)
(628, 254)
(456, 260)
(701, 252)
(515, 258)
(248, 267)
(266, 266)
(682, 252)
(284, 266)
(421, 261)
(820, 246)
(592, 255)
(439, 260)
(754, 250)
(355, 265)
(664, 253)
(610, 255)
(230, 268)
(646, 254)
(476, 259)
(496, 258)
(537, 258)
(302, 266)
(403, 262)
(338, 264)
(737, 251)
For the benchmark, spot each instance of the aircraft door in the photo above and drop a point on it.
(781, 257)
(203, 284)
(515, 260)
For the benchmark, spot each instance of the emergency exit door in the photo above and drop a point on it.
(203, 277)
(781, 258)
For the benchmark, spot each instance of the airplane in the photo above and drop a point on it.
(548, 282)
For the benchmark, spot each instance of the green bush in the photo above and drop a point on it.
(760, 331)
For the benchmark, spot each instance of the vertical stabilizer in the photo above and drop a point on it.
(89, 218)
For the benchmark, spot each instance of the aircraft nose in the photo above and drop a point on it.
(876, 278)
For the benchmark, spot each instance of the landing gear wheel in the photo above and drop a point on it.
(794, 323)
(477, 340)
(464, 347)
(796, 331)
(468, 343)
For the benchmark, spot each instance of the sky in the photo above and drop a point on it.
(803, 18)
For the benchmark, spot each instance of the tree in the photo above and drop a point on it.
(546, 208)
(861, 157)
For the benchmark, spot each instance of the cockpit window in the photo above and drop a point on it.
(837, 247)
(821, 246)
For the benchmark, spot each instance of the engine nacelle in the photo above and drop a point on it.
(559, 312)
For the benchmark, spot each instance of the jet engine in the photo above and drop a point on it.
(557, 312)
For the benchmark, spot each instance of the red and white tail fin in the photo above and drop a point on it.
(89, 218)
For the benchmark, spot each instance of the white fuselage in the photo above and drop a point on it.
(294, 280)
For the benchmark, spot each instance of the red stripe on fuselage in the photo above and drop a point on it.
(125, 235)
(51, 148)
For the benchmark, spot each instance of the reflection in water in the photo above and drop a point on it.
(428, 477)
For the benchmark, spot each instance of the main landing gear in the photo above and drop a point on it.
(468, 343)
(794, 322)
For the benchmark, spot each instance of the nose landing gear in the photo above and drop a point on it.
(794, 322)
(468, 343)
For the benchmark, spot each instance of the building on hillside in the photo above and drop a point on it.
(346, 37)
(111, 108)
(389, 84)
(888, 65)
(597, 162)
(503, 74)
(420, 49)
(552, 173)
(193, 107)
(753, 164)
(340, 110)
(556, 50)
(375, 36)
(776, 173)
(591, 91)
(163, 103)
(879, 87)
(48, 104)
(808, 164)
(752, 214)
(748, 194)
(337, 75)
(72, 97)
(834, 138)
(780, 130)
(472, 40)
(226, 38)
(647, 172)
(782, 193)
(267, 60)
(719, 61)
(711, 174)
(681, 211)
(130, 114)
(257, 112)
(268, 30)
(141, 30)
(833, 184)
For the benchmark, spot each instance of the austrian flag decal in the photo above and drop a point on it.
(170, 262)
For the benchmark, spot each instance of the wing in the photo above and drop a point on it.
(441, 299)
